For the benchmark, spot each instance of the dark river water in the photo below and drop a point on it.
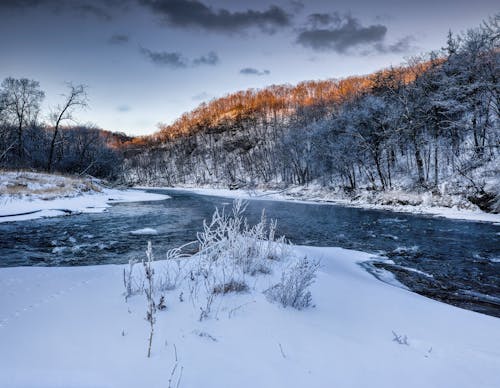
(454, 261)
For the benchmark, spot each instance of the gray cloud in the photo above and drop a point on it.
(253, 71)
(178, 13)
(163, 58)
(124, 108)
(193, 13)
(210, 59)
(119, 39)
(92, 10)
(403, 45)
(22, 3)
(339, 33)
(297, 6)
(323, 19)
(100, 9)
(176, 60)
(201, 96)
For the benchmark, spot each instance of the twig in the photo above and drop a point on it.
(232, 311)
(172, 375)
(180, 377)
(281, 350)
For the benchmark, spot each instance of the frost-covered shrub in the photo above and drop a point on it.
(149, 291)
(230, 236)
(168, 273)
(171, 271)
(229, 250)
(133, 285)
(292, 290)
(258, 267)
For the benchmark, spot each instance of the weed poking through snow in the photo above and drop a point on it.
(293, 289)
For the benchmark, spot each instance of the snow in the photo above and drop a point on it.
(71, 327)
(26, 196)
(323, 197)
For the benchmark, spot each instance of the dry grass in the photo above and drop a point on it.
(44, 186)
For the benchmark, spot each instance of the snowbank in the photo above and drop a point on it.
(300, 194)
(26, 195)
(70, 327)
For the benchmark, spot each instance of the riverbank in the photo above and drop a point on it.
(28, 195)
(391, 201)
(71, 327)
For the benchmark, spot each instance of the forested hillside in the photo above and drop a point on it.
(431, 125)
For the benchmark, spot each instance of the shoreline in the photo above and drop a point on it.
(25, 208)
(280, 195)
(26, 195)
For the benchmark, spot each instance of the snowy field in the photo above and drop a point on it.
(26, 195)
(71, 327)
(301, 194)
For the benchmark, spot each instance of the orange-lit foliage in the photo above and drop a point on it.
(278, 100)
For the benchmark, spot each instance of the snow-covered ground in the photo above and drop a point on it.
(27, 195)
(71, 327)
(315, 195)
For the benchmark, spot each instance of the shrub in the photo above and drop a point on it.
(292, 290)
(131, 284)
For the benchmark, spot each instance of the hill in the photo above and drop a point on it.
(430, 127)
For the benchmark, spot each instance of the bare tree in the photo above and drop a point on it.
(21, 101)
(76, 98)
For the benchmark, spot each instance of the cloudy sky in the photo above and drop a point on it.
(148, 61)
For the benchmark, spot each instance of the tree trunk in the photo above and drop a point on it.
(51, 151)
(436, 159)
(419, 162)
(376, 159)
(20, 146)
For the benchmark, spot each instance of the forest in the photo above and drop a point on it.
(55, 144)
(432, 124)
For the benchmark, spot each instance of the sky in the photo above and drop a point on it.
(146, 62)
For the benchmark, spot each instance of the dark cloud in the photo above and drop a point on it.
(210, 59)
(163, 58)
(339, 33)
(100, 9)
(54, 5)
(119, 39)
(252, 71)
(193, 13)
(323, 19)
(20, 3)
(178, 13)
(176, 60)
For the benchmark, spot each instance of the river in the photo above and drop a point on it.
(454, 261)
